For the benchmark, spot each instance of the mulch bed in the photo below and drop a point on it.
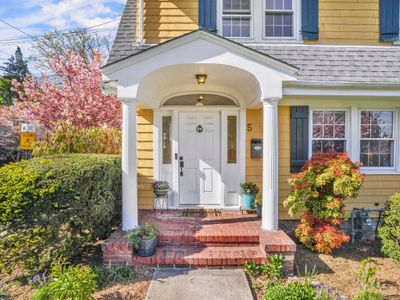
(339, 269)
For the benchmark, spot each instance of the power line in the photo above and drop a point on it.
(16, 28)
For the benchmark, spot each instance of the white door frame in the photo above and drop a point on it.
(159, 168)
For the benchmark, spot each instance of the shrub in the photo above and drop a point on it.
(389, 232)
(68, 139)
(369, 285)
(294, 290)
(253, 269)
(274, 269)
(325, 181)
(67, 282)
(55, 205)
(114, 274)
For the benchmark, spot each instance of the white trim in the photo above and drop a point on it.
(157, 136)
(220, 16)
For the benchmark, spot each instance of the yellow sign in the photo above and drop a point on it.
(27, 140)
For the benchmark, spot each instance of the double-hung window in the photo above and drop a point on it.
(236, 18)
(328, 131)
(279, 18)
(377, 138)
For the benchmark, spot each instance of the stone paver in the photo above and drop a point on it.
(199, 284)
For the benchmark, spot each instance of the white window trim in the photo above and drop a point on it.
(380, 170)
(296, 8)
(353, 136)
(346, 124)
(257, 24)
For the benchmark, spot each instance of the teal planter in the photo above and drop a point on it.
(248, 201)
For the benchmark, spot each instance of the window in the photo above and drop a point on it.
(279, 18)
(236, 18)
(328, 131)
(232, 139)
(377, 138)
(166, 140)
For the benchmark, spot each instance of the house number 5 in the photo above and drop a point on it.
(249, 127)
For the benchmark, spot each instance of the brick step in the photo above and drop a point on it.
(188, 256)
(208, 238)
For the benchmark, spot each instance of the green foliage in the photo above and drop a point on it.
(274, 269)
(50, 207)
(325, 181)
(291, 291)
(369, 285)
(16, 67)
(146, 232)
(6, 95)
(249, 188)
(68, 139)
(389, 232)
(253, 269)
(275, 265)
(68, 282)
(114, 274)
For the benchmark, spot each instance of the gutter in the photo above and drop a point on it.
(141, 22)
(348, 85)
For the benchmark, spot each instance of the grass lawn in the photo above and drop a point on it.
(339, 270)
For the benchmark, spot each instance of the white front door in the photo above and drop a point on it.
(199, 158)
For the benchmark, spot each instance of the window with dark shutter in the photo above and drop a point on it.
(389, 20)
(309, 19)
(298, 137)
(208, 15)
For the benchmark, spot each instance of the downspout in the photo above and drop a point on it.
(141, 22)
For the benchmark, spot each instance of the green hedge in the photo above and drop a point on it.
(52, 206)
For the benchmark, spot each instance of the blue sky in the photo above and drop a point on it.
(37, 17)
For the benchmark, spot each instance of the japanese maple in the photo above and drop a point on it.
(321, 187)
(72, 94)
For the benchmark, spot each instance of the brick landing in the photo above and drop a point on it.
(225, 241)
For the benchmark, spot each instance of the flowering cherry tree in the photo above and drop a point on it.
(73, 95)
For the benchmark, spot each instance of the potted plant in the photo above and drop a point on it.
(258, 205)
(160, 188)
(144, 239)
(249, 190)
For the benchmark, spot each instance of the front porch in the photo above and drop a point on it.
(224, 241)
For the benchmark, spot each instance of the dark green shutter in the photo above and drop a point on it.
(309, 19)
(298, 137)
(208, 15)
(389, 20)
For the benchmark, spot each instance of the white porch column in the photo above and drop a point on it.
(270, 165)
(129, 171)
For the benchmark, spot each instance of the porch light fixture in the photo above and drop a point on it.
(201, 78)
(199, 101)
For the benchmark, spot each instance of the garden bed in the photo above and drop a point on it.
(339, 270)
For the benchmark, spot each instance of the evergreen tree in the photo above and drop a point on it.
(6, 95)
(16, 67)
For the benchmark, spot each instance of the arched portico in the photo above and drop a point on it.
(250, 79)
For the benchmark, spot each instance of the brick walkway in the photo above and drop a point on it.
(225, 241)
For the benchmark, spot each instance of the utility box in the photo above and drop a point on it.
(256, 148)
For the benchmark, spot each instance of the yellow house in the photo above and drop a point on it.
(216, 93)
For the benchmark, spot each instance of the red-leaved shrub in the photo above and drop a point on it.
(321, 187)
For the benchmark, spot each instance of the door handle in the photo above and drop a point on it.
(181, 165)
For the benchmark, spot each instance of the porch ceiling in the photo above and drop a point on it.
(169, 70)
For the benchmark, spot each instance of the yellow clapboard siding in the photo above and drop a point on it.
(349, 22)
(145, 158)
(164, 20)
(376, 188)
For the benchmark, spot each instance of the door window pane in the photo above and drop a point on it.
(232, 139)
(377, 142)
(166, 140)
